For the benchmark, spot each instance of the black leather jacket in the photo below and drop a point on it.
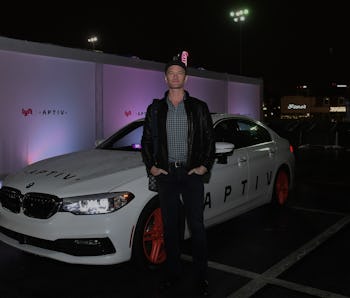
(201, 142)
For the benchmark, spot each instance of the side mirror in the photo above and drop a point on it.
(222, 150)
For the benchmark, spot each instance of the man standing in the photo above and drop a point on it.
(185, 152)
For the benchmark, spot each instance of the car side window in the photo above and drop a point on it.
(126, 139)
(130, 141)
(227, 131)
(251, 133)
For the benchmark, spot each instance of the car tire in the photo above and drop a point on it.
(148, 244)
(281, 188)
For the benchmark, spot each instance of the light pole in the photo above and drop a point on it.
(93, 40)
(239, 16)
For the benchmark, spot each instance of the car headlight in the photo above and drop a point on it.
(97, 203)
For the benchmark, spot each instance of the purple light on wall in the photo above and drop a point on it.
(213, 92)
(50, 106)
(57, 105)
(127, 92)
(244, 99)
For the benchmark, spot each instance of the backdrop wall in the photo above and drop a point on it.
(57, 100)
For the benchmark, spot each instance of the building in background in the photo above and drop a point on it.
(326, 108)
(332, 106)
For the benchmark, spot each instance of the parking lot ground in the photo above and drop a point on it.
(298, 251)
(327, 267)
(301, 250)
(269, 246)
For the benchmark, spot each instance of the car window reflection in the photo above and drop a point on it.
(241, 133)
(127, 139)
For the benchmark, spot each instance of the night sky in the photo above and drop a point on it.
(286, 43)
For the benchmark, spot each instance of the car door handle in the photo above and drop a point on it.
(272, 152)
(242, 160)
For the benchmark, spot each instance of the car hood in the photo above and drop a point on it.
(78, 173)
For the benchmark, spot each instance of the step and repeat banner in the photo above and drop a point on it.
(52, 106)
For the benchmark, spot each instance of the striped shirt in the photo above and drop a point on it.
(177, 131)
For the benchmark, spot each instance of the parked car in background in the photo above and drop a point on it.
(94, 206)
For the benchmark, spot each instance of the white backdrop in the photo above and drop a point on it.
(47, 108)
(51, 104)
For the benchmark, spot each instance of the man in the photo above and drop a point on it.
(185, 153)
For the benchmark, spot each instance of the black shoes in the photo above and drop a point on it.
(172, 286)
(204, 287)
(165, 284)
(168, 283)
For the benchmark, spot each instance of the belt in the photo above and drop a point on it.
(177, 164)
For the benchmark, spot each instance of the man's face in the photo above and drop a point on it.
(175, 77)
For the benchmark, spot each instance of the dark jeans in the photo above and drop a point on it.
(191, 188)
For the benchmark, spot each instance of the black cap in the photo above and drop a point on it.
(175, 61)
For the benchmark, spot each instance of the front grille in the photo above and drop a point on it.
(37, 205)
(11, 199)
(40, 205)
(75, 247)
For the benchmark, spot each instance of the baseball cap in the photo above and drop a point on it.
(175, 61)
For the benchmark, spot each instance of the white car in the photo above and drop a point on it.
(94, 207)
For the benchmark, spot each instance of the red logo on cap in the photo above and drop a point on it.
(184, 56)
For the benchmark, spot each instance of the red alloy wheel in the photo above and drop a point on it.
(282, 187)
(153, 240)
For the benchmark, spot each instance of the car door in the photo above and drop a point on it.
(261, 155)
(227, 186)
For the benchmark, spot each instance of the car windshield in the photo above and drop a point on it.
(240, 132)
(127, 139)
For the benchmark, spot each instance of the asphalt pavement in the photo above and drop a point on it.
(301, 250)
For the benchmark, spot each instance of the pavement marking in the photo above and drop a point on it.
(261, 281)
(259, 278)
(269, 276)
(319, 210)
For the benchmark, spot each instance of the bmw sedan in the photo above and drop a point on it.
(94, 206)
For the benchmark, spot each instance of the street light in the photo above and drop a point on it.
(93, 40)
(239, 16)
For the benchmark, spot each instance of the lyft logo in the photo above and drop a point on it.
(27, 112)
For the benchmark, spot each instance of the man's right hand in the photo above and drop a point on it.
(157, 171)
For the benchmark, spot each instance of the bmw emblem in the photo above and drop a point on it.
(30, 185)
